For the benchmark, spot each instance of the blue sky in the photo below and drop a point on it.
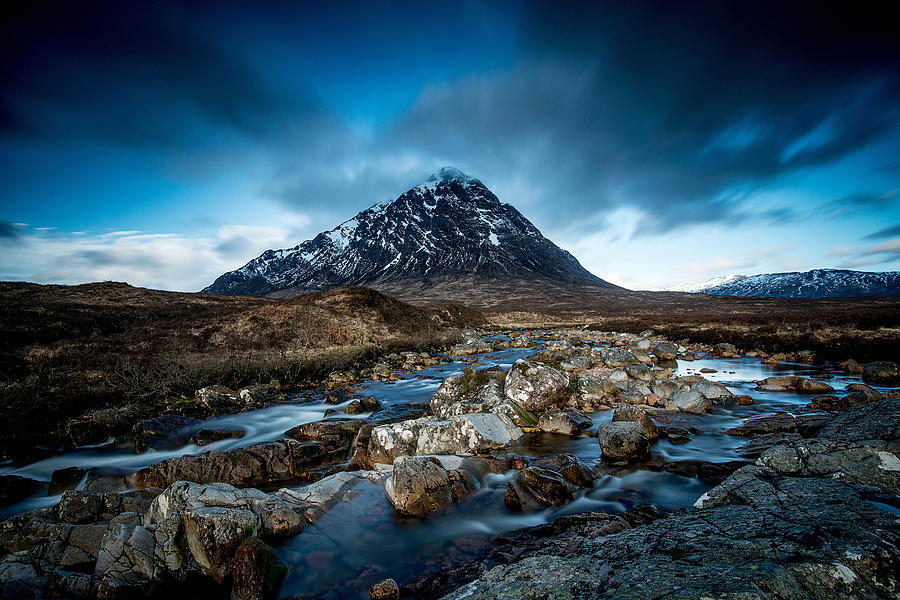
(163, 144)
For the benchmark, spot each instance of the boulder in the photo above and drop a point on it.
(726, 350)
(636, 415)
(65, 479)
(566, 421)
(219, 400)
(576, 363)
(467, 434)
(534, 488)
(879, 420)
(623, 440)
(664, 388)
(802, 385)
(759, 444)
(204, 437)
(420, 485)
(535, 386)
(213, 535)
(386, 589)
(387, 442)
(256, 571)
(616, 357)
(665, 351)
(716, 392)
(160, 432)
(881, 371)
(476, 392)
(691, 401)
(639, 371)
(335, 435)
(363, 405)
(804, 424)
(14, 488)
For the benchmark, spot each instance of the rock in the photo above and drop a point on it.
(218, 399)
(14, 488)
(759, 444)
(99, 424)
(643, 345)
(716, 392)
(476, 392)
(389, 441)
(879, 420)
(535, 386)
(616, 357)
(708, 370)
(623, 440)
(802, 385)
(806, 425)
(639, 371)
(576, 363)
(676, 435)
(534, 488)
(420, 485)
(882, 371)
(864, 463)
(364, 405)
(664, 388)
(386, 589)
(258, 464)
(636, 415)
(467, 434)
(335, 435)
(65, 479)
(665, 351)
(158, 433)
(256, 571)
(833, 403)
(691, 401)
(566, 422)
(341, 378)
(108, 479)
(213, 535)
(258, 396)
(726, 350)
(204, 437)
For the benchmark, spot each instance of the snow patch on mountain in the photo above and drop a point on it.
(699, 286)
(818, 283)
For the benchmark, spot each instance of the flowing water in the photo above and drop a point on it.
(359, 542)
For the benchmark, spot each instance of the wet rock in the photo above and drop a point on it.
(879, 420)
(467, 434)
(676, 435)
(387, 442)
(576, 363)
(204, 437)
(566, 422)
(108, 479)
(759, 444)
(615, 357)
(335, 435)
(623, 440)
(256, 571)
(65, 479)
(534, 488)
(639, 371)
(802, 385)
(213, 535)
(637, 415)
(716, 392)
(804, 424)
(664, 388)
(341, 378)
(420, 485)
(364, 405)
(726, 350)
(691, 401)
(522, 341)
(706, 471)
(100, 424)
(218, 399)
(158, 432)
(665, 351)
(476, 392)
(258, 396)
(254, 465)
(14, 488)
(865, 463)
(882, 371)
(534, 386)
(386, 589)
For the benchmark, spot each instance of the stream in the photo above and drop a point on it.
(362, 541)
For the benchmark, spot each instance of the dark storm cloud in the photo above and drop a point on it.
(679, 111)
(134, 74)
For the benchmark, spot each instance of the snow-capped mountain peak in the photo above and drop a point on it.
(818, 283)
(451, 225)
(698, 286)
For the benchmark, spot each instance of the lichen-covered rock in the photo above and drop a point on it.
(420, 485)
(639, 371)
(691, 401)
(534, 488)
(716, 392)
(665, 351)
(623, 440)
(796, 383)
(534, 386)
(218, 399)
(476, 392)
(335, 435)
(386, 589)
(636, 415)
(664, 388)
(615, 357)
(567, 421)
(467, 434)
(879, 420)
(213, 535)
(881, 371)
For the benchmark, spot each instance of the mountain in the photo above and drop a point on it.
(818, 283)
(699, 286)
(450, 232)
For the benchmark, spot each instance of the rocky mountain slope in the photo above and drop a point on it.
(449, 228)
(818, 283)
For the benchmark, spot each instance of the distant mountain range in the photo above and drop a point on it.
(450, 231)
(818, 283)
